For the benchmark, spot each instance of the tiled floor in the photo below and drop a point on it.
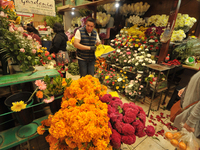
(143, 143)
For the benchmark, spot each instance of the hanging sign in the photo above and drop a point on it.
(42, 7)
(24, 14)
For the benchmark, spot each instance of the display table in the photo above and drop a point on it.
(18, 78)
(196, 66)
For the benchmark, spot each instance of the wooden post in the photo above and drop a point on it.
(171, 21)
(63, 2)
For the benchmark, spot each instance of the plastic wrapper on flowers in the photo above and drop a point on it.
(82, 121)
(126, 121)
(102, 19)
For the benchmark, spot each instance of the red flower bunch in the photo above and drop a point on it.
(126, 121)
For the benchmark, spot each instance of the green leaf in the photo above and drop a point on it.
(120, 109)
(18, 58)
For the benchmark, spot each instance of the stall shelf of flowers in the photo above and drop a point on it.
(92, 119)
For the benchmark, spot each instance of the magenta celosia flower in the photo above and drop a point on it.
(116, 117)
(150, 130)
(109, 125)
(115, 98)
(129, 119)
(128, 139)
(136, 123)
(128, 129)
(140, 133)
(111, 109)
(116, 103)
(142, 117)
(49, 100)
(106, 98)
(141, 110)
(132, 106)
(115, 139)
(129, 112)
(118, 126)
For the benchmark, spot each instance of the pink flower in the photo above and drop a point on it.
(22, 50)
(129, 57)
(130, 93)
(49, 100)
(141, 86)
(2, 14)
(20, 29)
(128, 53)
(125, 60)
(11, 29)
(40, 84)
(116, 59)
(29, 37)
(33, 51)
(150, 131)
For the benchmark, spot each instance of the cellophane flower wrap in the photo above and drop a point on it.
(82, 121)
(126, 121)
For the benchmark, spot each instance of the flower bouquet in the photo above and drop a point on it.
(135, 87)
(43, 56)
(126, 121)
(49, 88)
(82, 121)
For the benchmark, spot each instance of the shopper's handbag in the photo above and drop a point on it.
(176, 109)
(62, 57)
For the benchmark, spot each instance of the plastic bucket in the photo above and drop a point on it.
(56, 104)
(25, 116)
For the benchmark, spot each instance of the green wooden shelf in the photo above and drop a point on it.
(20, 134)
(18, 78)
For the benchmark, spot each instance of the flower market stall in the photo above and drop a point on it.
(121, 106)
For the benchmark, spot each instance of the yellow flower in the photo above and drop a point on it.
(106, 77)
(126, 77)
(123, 87)
(123, 80)
(115, 80)
(120, 70)
(124, 72)
(117, 87)
(136, 45)
(18, 106)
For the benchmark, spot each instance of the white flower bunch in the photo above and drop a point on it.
(102, 18)
(134, 8)
(136, 20)
(75, 21)
(158, 20)
(110, 8)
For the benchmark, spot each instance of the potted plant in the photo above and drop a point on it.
(51, 90)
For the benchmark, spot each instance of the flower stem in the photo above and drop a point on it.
(33, 94)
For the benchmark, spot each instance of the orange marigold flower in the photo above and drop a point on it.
(40, 130)
(39, 94)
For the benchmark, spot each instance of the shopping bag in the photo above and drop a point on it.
(175, 110)
(103, 50)
(62, 57)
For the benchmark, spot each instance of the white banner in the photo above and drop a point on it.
(43, 7)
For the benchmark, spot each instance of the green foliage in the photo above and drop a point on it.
(56, 85)
(185, 50)
(50, 20)
(85, 12)
(73, 68)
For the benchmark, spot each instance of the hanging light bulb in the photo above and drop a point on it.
(72, 13)
(116, 4)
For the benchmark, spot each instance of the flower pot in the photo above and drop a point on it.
(25, 116)
(39, 67)
(16, 67)
(56, 104)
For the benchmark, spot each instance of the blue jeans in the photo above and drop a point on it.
(86, 67)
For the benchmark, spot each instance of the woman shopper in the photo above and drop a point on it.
(33, 35)
(58, 45)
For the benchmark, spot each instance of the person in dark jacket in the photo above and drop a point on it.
(60, 39)
(85, 40)
(35, 31)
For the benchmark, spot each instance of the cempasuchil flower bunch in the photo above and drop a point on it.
(82, 121)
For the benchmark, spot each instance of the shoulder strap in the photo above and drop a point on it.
(190, 105)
